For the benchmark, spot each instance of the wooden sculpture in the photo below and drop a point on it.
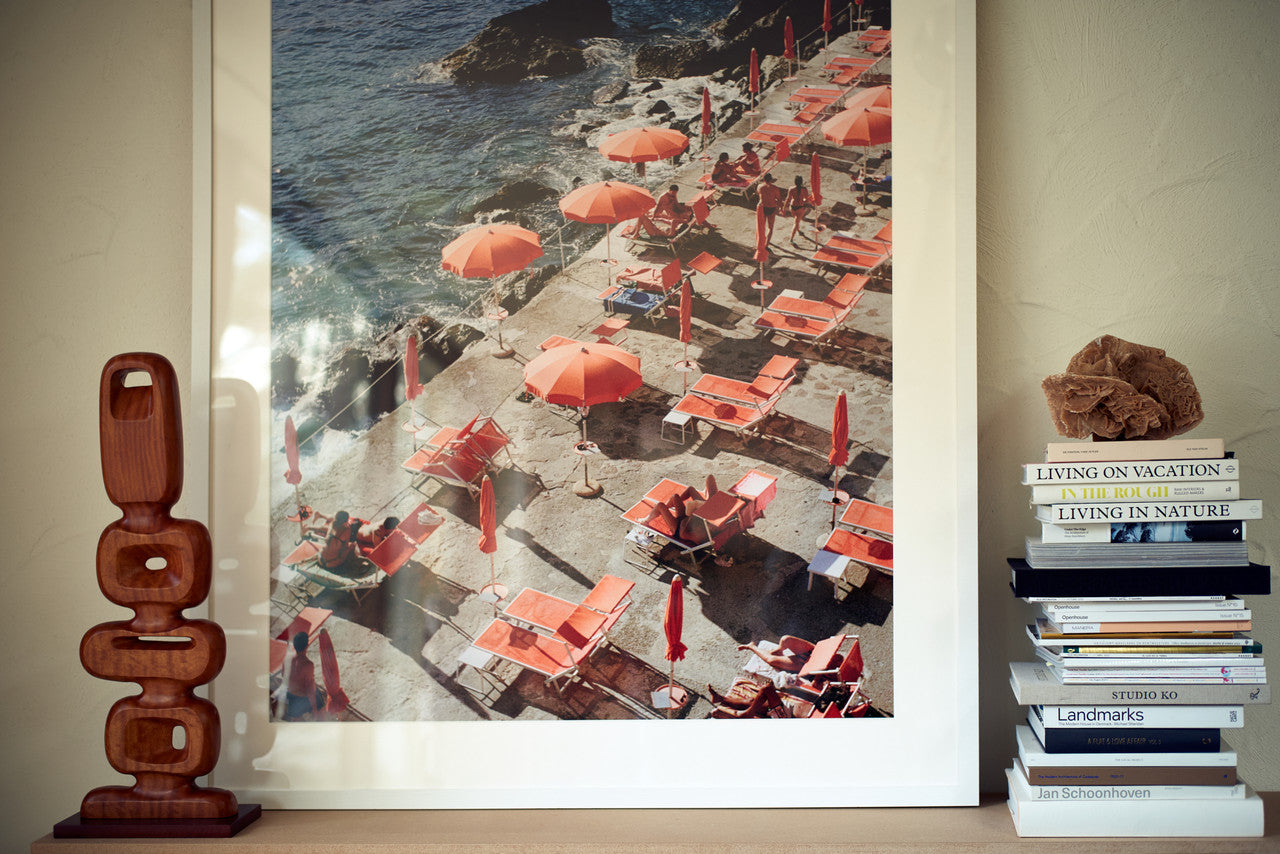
(156, 565)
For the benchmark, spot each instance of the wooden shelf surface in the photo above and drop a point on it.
(881, 830)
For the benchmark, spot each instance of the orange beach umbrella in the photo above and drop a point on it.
(488, 541)
(875, 96)
(412, 388)
(839, 455)
(608, 203)
(815, 180)
(489, 251)
(862, 126)
(583, 374)
(293, 476)
(640, 145)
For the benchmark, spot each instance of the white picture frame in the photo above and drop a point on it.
(925, 755)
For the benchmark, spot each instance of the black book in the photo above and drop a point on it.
(1124, 739)
(1253, 579)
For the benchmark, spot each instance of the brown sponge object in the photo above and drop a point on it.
(1115, 389)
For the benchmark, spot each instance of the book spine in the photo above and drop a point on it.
(1189, 740)
(1094, 794)
(1172, 471)
(1141, 717)
(1131, 678)
(1210, 490)
(1063, 618)
(1130, 775)
(1136, 450)
(1151, 604)
(1117, 627)
(1034, 684)
(1153, 511)
(1094, 581)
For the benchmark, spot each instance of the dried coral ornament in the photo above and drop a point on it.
(157, 566)
(1115, 389)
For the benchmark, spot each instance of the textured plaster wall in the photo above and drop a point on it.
(1127, 167)
(1128, 182)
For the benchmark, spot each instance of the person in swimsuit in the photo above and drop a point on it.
(798, 203)
(770, 200)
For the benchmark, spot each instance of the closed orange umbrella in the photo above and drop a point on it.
(607, 202)
(706, 121)
(789, 47)
(686, 326)
(839, 454)
(815, 180)
(673, 627)
(336, 700)
(762, 251)
(488, 541)
(294, 475)
(412, 388)
(640, 145)
(753, 81)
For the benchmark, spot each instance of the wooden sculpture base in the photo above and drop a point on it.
(77, 827)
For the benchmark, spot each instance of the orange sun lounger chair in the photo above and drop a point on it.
(576, 624)
(659, 279)
(772, 380)
(548, 655)
(736, 417)
(843, 547)
(401, 544)
(459, 457)
(862, 515)
(864, 256)
(809, 329)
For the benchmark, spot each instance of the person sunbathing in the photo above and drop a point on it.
(791, 655)
(670, 209)
(369, 536)
(725, 173)
(748, 165)
(339, 542)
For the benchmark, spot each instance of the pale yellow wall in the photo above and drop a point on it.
(1127, 183)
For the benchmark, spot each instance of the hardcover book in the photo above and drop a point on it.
(1124, 739)
(1123, 450)
(1142, 532)
(1172, 581)
(1034, 684)
(1131, 472)
(1151, 555)
(1207, 490)
(1150, 511)
(1140, 716)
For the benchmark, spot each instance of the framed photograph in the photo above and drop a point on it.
(513, 650)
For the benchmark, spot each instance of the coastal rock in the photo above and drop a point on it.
(651, 86)
(674, 59)
(610, 92)
(729, 115)
(514, 195)
(536, 40)
(658, 108)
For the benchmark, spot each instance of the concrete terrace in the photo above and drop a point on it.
(398, 649)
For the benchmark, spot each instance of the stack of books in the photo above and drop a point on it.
(1143, 640)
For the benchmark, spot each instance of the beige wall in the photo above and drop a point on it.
(1127, 183)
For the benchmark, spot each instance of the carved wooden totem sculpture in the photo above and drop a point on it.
(157, 565)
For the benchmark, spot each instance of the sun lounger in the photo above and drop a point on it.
(576, 624)
(658, 279)
(609, 594)
(643, 515)
(840, 62)
(753, 700)
(394, 552)
(780, 155)
(358, 587)
(864, 256)
(461, 459)
(816, 95)
(862, 515)
(557, 341)
(800, 328)
(738, 418)
(843, 547)
(632, 301)
(774, 133)
(547, 655)
(808, 308)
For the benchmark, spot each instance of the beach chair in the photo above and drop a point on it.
(858, 254)
(633, 301)
(843, 547)
(774, 133)
(798, 327)
(735, 417)
(772, 380)
(547, 655)
(609, 594)
(575, 623)
(459, 457)
(698, 523)
(862, 515)
(760, 701)
(649, 232)
(394, 552)
(658, 279)
(816, 95)
(358, 586)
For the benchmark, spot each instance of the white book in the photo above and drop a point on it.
(1130, 677)
(1071, 794)
(1153, 532)
(1043, 627)
(1149, 511)
(1142, 717)
(1033, 755)
(1131, 471)
(1135, 450)
(1082, 661)
(1068, 617)
(1215, 490)
(1198, 817)
(1220, 603)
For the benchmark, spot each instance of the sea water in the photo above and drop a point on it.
(377, 157)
